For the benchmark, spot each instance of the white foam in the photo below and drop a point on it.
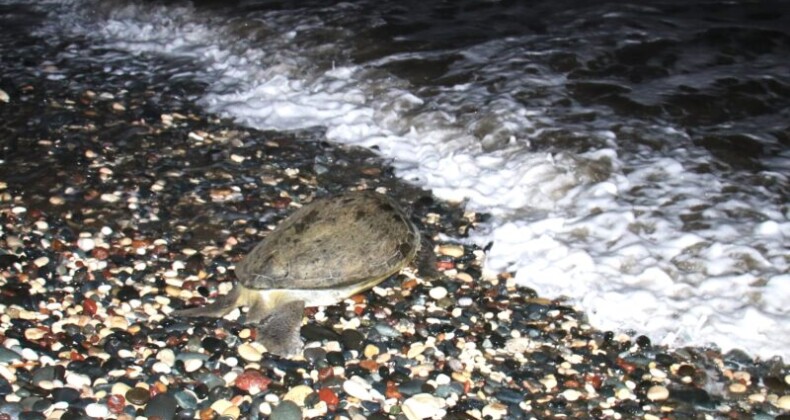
(618, 246)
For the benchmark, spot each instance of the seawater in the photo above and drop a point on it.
(633, 156)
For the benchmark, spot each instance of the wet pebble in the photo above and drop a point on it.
(315, 355)
(657, 393)
(162, 405)
(213, 344)
(386, 331)
(352, 339)
(422, 406)
(65, 394)
(249, 353)
(286, 410)
(185, 399)
(298, 394)
(138, 396)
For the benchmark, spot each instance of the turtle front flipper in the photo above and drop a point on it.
(279, 329)
(238, 296)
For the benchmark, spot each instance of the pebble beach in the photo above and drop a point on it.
(121, 201)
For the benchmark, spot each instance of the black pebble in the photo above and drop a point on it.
(31, 415)
(213, 345)
(163, 406)
(693, 396)
(315, 355)
(352, 339)
(127, 293)
(315, 332)
(336, 358)
(65, 394)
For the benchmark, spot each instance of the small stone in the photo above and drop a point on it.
(192, 365)
(624, 394)
(657, 393)
(286, 410)
(783, 402)
(41, 261)
(495, 411)
(138, 396)
(371, 351)
(166, 356)
(116, 403)
(86, 244)
(233, 412)
(162, 405)
(221, 405)
(252, 381)
(4, 96)
(97, 410)
(451, 250)
(329, 397)
(571, 394)
(358, 388)
(298, 394)
(437, 293)
(249, 353)
(737, 388)
(422, 406)
(352, 339)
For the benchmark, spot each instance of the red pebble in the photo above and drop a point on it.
(369, 365)
(329, 397)
(626, 366)
(89, 306)
(251, 379)
(392, 391)
(100, 253)
(594, 380)
(116, 403)
(324, 373)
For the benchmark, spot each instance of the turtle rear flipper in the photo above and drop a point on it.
(426, 260)
(220, 307)
(279, 329)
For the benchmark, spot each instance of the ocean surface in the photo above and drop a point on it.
(633, 156)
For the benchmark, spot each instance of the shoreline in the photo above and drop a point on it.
(125, 201)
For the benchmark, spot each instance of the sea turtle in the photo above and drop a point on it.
(325, 252)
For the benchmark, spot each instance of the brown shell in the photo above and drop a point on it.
(349, 239)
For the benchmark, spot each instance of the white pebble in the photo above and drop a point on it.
(86, 244)
(4, 96)
(455, 251)
(160, 367)
(192, 365)
(465, 301)
(110, 198)
(783, 402)
(97, 410)
(495, 411)
(29, 354)
(420, 406)
(437, 293)
(166, 356)
(77, 380)
(657, 393)
(358, 388)
(18, 210)
(250, 353)
(571, 394)
(42, 226)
